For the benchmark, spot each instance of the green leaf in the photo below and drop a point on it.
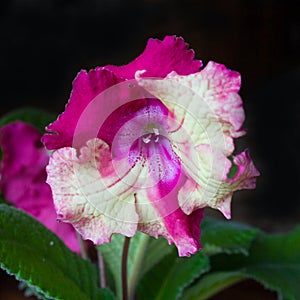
(273, 260)
(37, 256)
(36, 117)
(226, 237)
(112, 254)
(105, 294)
(157, 249)
(31, 291)
(233, 169)
(3, 200)
(168, 279)
(210, 284)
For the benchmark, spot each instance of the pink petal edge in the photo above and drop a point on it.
(160, 58)
(86, 86)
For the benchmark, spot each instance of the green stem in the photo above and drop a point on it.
(136, 267)
(83, 251)
(101, 269)
(124, 269)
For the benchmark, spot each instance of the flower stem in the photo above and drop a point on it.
(101, 266)
(83, 251)
(136, 266)
(124, 268)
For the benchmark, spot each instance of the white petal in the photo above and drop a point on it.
(89, 194)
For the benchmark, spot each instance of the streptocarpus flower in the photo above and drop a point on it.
(23, 178)
(147, 146)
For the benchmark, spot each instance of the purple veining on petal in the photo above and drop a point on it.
(155, 152)
(141, 134)
(130, 120)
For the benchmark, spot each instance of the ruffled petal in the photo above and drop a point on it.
(245, 177)
(204, 103)
(208, 175)
(160, 58)
(213, 188)
(165, 218)
(219, 87)
(89, 194)
(86, 86)
(23, 178)
(193, 119)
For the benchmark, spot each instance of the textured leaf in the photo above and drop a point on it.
(37, 118)
(112, 254)
(226, 237)
(210, 284)
(103, 294)
(168, 279)
(31, 291)
(37, 256)
(273, 260)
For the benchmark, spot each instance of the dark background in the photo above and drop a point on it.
(43, 44)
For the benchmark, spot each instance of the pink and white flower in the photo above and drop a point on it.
(146, 147)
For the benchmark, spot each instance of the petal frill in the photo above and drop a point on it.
(160, 58)
(86, 86)
(165, 218)
(245, 177)
(214, 188)
(89, 194)
(219, 87)
(192, 119)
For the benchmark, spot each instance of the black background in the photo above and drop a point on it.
(45, 43)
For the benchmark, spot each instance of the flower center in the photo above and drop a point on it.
(151, 137)
(150, 143)
(154, 162)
